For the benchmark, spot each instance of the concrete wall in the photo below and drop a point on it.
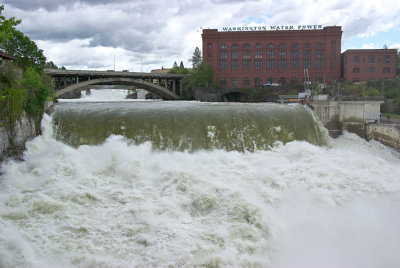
(385, 133)
(349, 115)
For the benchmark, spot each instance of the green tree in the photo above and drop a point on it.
(200, 77)
(196, 58)
(175, 65)
(181, 65)
(25, 51)
(7, 27)
(37, 91)
(50, 65)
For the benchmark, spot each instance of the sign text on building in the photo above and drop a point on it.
(271, 28)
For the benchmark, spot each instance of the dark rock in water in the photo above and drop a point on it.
(132, 96)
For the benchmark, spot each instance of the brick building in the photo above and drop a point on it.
(364, 64)
(251, 58)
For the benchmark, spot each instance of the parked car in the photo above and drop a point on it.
(266, 85)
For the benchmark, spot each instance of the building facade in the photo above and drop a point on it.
(253, 58)
(368, 64)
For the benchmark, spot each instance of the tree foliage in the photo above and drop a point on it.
(25, 51)
(178, 70)
(7, 26)
(23, 84)
(196, 58)
(200, 77)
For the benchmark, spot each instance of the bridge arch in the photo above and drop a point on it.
(149, 86)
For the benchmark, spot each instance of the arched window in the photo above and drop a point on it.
(282, 45)
(223, 46)
(258, 46)
(295, 45)
(235, 46)
(307, 45)
(270, 45)
(246, 46)
(320, 45)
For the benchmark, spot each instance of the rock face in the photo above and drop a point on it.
(12, 141)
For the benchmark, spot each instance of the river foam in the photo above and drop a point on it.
(119, 204)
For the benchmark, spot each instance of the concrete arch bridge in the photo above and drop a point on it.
(165, 86)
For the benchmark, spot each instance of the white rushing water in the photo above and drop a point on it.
(122, 205)
(103, 95)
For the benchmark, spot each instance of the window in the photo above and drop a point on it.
(319, 53)
(246, 65)
(270, 64)
(235, 46)
(258, 54)
(356, 70)
(319, 64)
(282, 64)
(307, 45)
(333, 44)
(234, 81)
(246, 46)
(222, 81)
(386, 59)
(258, 64)
(282, 81)
(209, 45)
(307, 53)
(246, 81)
(223, 46)
(235, 54)
(270, 80)
(270, 54)
(270, 46)
(294, 63)
(371, 59)
(246, 54)
(257, 82)
(294, 45)
(282, 54)
(282, 45)
(386, 70)
(223, 55)
(356, 59)
(222, 65)
(258, 46)
(235, 64)
(320, 45)
(307, 64)
(294, 53)
(371, 70)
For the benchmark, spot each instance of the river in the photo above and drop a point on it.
(182, 184)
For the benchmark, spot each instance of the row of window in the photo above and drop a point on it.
(270, 64)
(282, 54)
(371, 59)
(371, 70)
(282, 45)
(258, 81)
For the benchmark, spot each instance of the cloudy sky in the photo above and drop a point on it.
(145, 35)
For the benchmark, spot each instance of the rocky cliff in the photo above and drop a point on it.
(12, 140)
